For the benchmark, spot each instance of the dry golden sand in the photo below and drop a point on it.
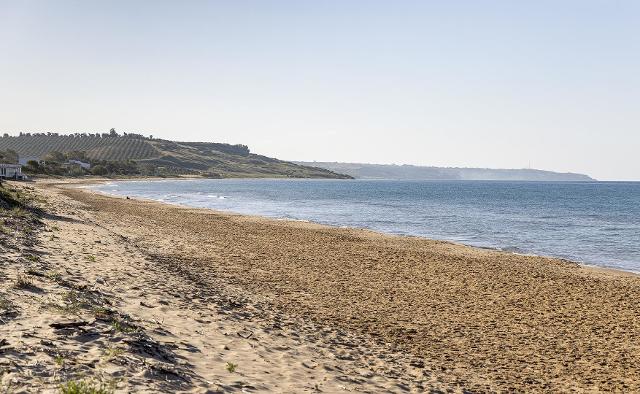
(103, 308)
(488, 320)
(371, 312)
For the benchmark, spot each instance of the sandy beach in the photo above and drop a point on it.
(219, 302)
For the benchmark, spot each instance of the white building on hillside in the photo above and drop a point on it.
(11, 171)
(82, 164)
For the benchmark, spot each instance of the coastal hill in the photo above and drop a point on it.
(410, 172)
(160, 157)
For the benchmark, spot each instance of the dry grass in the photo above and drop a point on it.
(24, 282)
(5, 304)
(85, 387)
(122, 326)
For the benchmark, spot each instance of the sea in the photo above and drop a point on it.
(594, 223)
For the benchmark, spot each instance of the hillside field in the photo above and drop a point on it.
(204, 158)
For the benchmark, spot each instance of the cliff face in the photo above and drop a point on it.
(407, 172)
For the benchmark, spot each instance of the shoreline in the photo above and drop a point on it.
(83, 305)
(384, 313)
(592, 266)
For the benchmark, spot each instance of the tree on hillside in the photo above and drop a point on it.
(77, 155)
(99, 170)
(8, 157)
(113, 133)
(33, 167)
(54, 157)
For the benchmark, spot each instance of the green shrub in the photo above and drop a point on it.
(85, 387)
(231, 367)
(99, 170)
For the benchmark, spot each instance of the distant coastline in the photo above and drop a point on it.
(411, 172)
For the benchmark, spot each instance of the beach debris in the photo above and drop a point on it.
(34, 272)
(168, 371)
(103, 314)
(310, 365)
(68, 324)
(246, 334)
(47, 343)
(190, 348)
(417, 363)
(146, 346)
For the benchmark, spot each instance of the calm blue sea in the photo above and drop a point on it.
(593, 222)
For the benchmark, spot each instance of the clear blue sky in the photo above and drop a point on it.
(551, 84)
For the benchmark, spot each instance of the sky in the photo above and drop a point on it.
(552, 85)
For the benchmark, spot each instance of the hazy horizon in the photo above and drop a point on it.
(424, 165)
(488, 84)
